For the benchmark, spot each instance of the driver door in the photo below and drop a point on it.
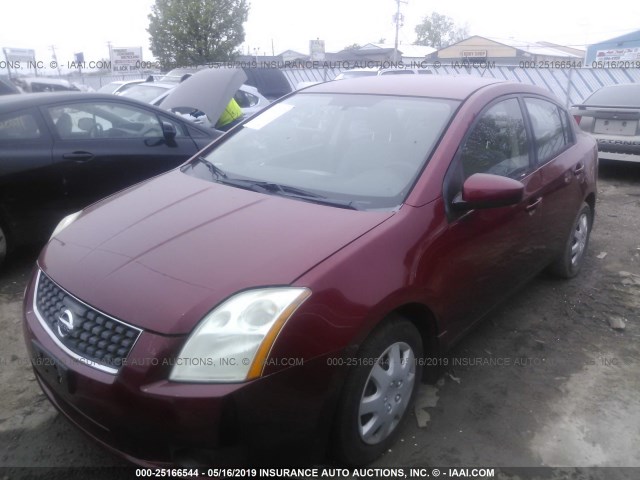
(102, 147)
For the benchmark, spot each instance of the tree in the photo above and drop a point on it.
(194, 32)
(439, 31)
(353, 46)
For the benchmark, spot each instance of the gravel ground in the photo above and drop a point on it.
(546, 380)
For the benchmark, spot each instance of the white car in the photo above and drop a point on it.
(357, 72)
(405, 71)
(119, 86)
(371, 72)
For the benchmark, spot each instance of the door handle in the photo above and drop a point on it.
(579, 168)
(78, 156)
(533, 205)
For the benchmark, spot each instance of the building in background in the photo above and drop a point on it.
(408, 53)
(477, 49)
(619, 49)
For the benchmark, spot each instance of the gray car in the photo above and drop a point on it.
(611, 115)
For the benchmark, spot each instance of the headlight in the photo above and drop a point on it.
(233, 341)
(65, 222)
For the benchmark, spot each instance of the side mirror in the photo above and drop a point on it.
(483, 190)
(169, 131)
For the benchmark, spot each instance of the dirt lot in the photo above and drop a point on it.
(545, 381)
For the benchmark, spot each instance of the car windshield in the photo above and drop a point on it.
(618, 95)
(144, 92)
(362, 151)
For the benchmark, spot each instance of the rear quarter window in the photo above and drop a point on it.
(19, 126)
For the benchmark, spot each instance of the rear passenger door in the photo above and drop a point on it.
(560, 171)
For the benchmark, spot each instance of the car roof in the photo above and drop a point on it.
(438, 86)
(10, 103)
(620, 86)
(28, 100)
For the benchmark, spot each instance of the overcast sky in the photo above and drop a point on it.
(83, 25)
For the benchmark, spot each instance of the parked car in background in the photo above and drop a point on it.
(44, 84)
(247, 97)
(82, 87)
(119, 86)
(62, 151)
(357, 72)
(269, 82)
(6, 86)
(148, 92)
(371, 72)
(405, 71)
(612, 115)
(276, 297)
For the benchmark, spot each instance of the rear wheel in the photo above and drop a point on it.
(570, 262)
(378, 392)
(3, 244)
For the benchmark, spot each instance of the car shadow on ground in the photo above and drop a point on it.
(614, 170)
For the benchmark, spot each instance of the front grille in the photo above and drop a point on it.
(90, 335)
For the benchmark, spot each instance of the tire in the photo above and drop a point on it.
(378, 392)
(4, 244)
(568, 265)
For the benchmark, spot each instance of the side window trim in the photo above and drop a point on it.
(567, 128)
(455, 172)
(532, 165)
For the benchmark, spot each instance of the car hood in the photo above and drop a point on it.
(208, 90)
(165, 252)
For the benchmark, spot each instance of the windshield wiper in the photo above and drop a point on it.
(271, 187)
(215, 171)
(287, 191)
(333, 202)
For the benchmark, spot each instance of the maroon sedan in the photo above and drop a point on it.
(276, 297)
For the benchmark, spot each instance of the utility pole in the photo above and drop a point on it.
(54, 57)
(398, 19)
(111, 58)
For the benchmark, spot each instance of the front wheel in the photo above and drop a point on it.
(378, 392)
(570, 262)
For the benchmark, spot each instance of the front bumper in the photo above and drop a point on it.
(138, 414)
